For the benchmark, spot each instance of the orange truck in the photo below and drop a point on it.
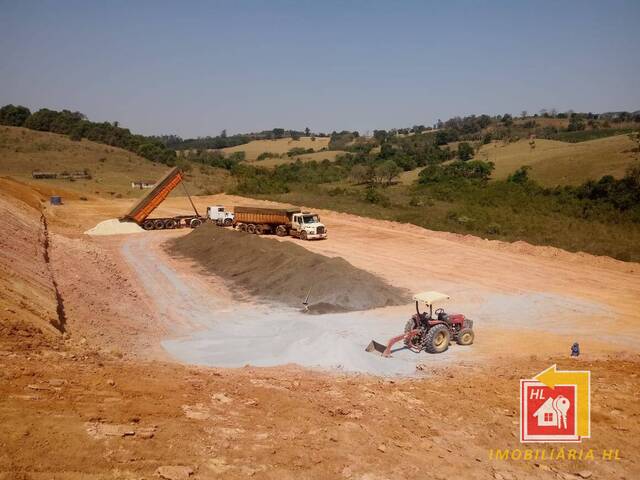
(141, 210)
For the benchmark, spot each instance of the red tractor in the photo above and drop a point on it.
(432, 331)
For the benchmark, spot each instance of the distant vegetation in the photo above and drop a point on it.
(77, 127)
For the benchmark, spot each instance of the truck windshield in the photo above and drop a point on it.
(310, 219)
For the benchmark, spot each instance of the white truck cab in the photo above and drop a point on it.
(307, 226)
(219, 215)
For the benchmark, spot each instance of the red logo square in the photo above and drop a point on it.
(546, 414)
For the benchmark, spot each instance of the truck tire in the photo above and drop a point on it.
(242, 227)
(170, 224)
(303, 235)
(437, 339)
(251, 228)
(148, 225)
(195, 223)
(262, 229)
(158, 225)
(281, 231)
(227, 222)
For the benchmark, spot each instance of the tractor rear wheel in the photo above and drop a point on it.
(465, 336)
(437, 339)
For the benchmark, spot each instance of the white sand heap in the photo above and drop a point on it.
(113, 226)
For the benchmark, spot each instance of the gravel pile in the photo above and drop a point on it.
(285, 272)
(113, 226)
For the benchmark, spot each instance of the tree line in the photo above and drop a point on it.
(77, 126)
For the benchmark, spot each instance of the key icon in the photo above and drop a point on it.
(561, 405)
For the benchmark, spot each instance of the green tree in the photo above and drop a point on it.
(465, 151)
(521, 175)
(387, 171)
(41, 120)
(14, 115)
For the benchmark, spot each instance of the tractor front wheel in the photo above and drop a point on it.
(437, 339)
(465, 336)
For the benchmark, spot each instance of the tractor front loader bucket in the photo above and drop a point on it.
(375, 347)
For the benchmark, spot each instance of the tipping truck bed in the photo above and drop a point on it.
(147, 204)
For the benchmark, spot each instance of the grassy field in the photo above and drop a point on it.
(317, 156)
(279, 146)
(113, 169)
(560, 163)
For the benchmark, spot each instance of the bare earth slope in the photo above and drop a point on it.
(286, 272)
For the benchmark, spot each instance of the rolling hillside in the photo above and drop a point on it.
(113, 169)
(560, 163)
(279, 146)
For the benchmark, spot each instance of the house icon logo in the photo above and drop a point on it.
(555, 406)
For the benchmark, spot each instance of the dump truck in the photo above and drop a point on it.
(141, 210)
(281, 221)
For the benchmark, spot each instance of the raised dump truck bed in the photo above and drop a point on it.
(147, 204)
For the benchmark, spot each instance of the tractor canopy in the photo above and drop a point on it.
(430, 298)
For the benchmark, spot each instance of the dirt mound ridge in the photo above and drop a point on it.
(284, 271)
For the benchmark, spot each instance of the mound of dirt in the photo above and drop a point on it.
(285, 272)
(113, 226)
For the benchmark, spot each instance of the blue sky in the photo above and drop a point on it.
(195, 68)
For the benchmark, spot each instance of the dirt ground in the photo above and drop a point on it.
(109, 398)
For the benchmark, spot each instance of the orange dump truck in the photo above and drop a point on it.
(141, 210)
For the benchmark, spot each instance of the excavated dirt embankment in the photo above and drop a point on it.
(285, 272)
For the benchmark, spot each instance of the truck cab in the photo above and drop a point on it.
(219, 215)
(307, 226)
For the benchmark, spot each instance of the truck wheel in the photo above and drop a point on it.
(148, 225)
(195, 222)
(303, 235)
(170, 224)
(281, 231)
(437, 339)
(227, 222)
(465, 336)
(158, 225)
(242, 227)
(251, 228)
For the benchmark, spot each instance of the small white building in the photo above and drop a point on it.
(143, 184)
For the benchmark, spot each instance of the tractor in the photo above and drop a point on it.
(432, 331)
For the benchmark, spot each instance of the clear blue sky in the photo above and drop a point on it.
(194, 68)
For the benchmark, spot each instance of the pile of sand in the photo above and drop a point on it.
(284, 271)
(113, 226)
